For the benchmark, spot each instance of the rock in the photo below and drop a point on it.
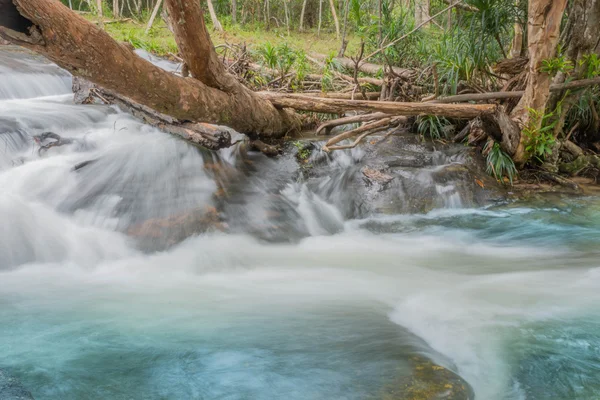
(429, 382)
(11, 388)
(400, 173)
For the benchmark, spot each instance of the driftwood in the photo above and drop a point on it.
(350, 120)
(364, 130)
(336, 106)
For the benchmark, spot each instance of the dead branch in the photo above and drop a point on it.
(367, 128)
(515, 94)
(350, 120)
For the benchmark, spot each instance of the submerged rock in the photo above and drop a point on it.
(11, 388)
(429, 381)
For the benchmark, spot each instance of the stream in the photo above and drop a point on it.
(297, 291)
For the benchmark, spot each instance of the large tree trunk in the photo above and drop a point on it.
(543, 29)
(213, 16)
(213, 97)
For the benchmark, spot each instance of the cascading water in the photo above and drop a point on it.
(292, 289)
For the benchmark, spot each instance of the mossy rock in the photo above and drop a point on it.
(429, 381)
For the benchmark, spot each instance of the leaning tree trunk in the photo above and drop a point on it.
(543, 29)
(302, 15)
(335, 18)
(213, 16)
(214, 96)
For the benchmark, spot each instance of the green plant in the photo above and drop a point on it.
(432, 126)
(303, 150)
(557, 64)
(330, 66)
(499, 164)
(280, 57)
(591, 63)
(539, 134)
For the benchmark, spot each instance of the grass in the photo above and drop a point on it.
(160, 40)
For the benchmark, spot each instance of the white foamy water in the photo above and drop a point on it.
(107, 293)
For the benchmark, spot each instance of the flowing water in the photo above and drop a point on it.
(295, 296)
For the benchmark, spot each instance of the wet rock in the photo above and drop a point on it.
(400, 173)
(376, 177)
(11, 388)
(429, 382)
(427, 176)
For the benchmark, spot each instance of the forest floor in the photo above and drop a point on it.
(160, 40)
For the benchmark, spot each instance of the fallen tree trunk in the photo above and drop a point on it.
(516, 94)
(368, 68)
(51, 29)
(343, 96)
(205, 135)
(338, 106)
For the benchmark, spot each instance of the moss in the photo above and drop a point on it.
(574, 167)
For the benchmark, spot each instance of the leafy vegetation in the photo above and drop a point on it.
(500, 165)
(539, 141)
(432, 127)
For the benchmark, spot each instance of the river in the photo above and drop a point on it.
(320, 304)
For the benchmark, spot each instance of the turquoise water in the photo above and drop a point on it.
(329, 307)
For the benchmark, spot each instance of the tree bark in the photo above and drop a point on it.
(153, 16)
(543, 29)
(234, 12)
(302, 15)
(214, 97)
(517, 43)
(339, 106)
(100, 16)
(320, 17)
(335, 18)
(421, 11)
(213, 16)
(116, 13)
